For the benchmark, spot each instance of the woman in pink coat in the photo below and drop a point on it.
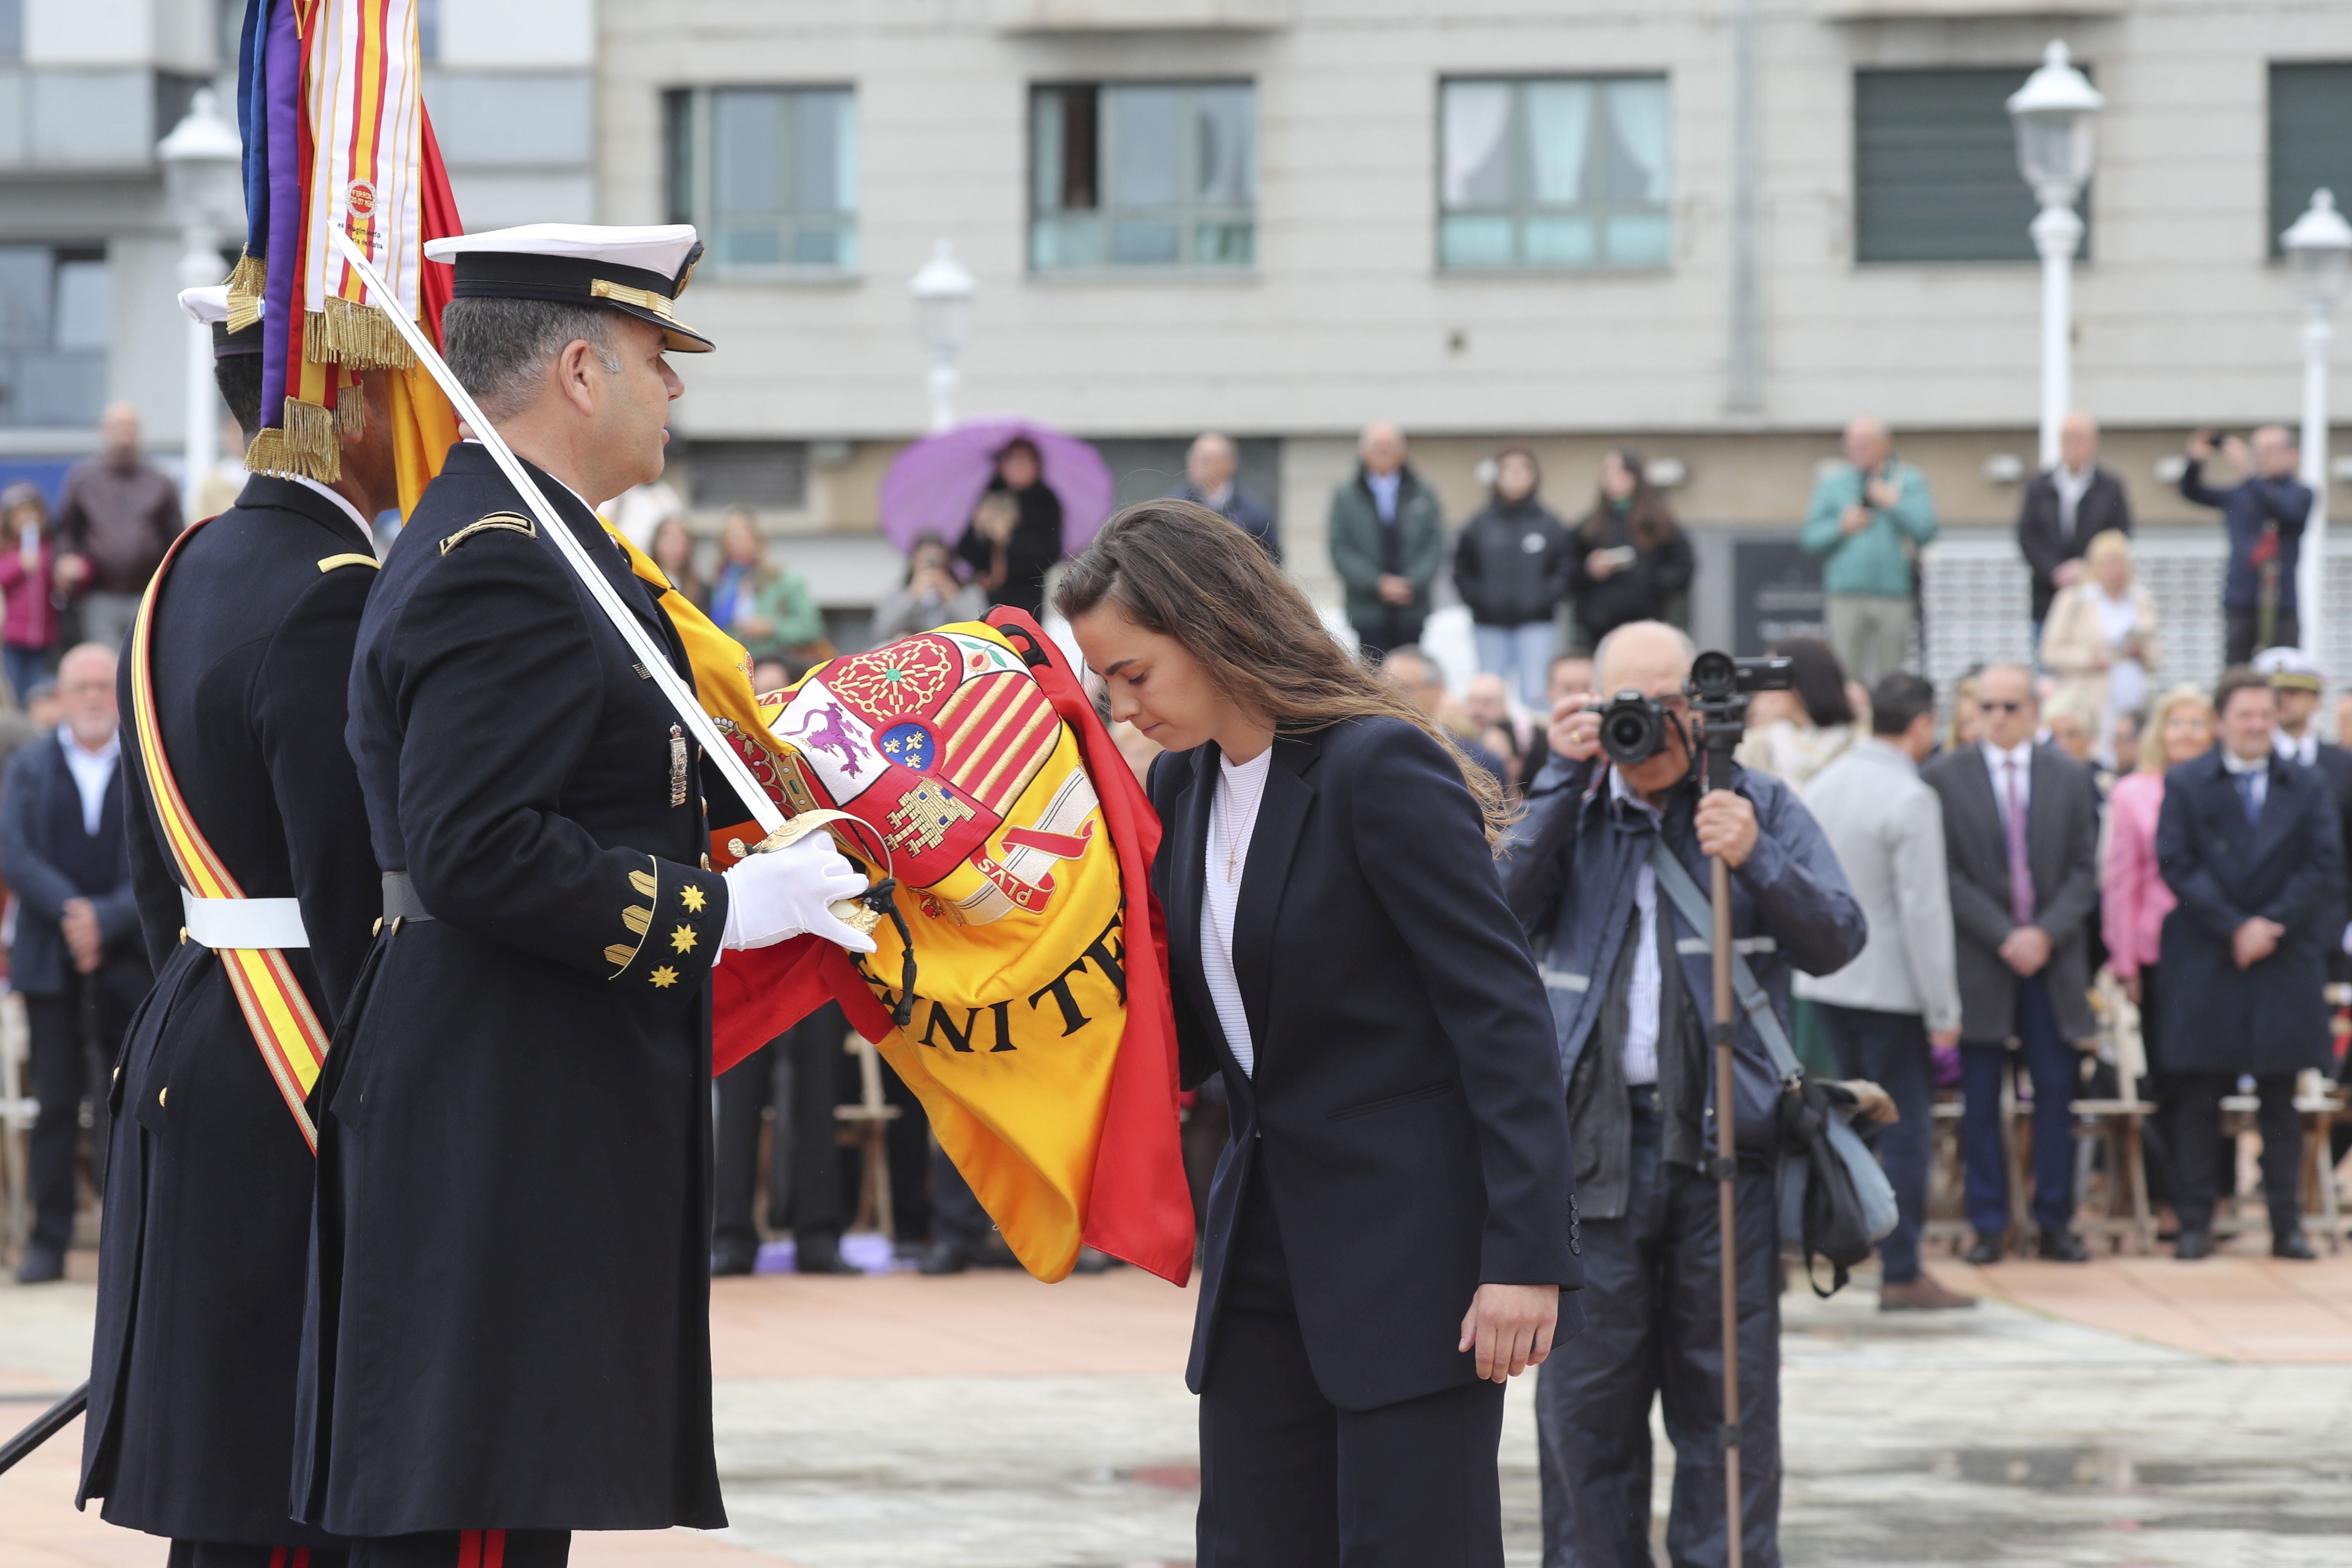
(30, 631)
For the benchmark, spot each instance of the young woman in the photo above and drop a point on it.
(1511, 566)
(1630, 558)
(1012, 563)
(1391, 1223)
(26, 559)
(673, 550)
(764, 605)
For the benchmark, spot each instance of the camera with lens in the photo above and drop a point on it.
(1634, 727)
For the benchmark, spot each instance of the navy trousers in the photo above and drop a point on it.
(2051, 1063)
(1653, 1331)
(1890, 1049)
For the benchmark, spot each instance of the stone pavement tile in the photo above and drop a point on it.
(2238, 1308)
(983, 1323)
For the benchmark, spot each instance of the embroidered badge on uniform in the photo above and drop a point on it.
(663, 978)
(682, 938)
(692, 898)
(677, 765)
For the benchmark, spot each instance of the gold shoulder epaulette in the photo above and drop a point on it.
(331, 563)
(513, 521)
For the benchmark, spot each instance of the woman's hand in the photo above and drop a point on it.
(1598, 565)
(1510, 1327)
(754, 629)
(1575, 734)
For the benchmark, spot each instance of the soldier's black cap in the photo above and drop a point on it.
(210, 307)
(640, 271)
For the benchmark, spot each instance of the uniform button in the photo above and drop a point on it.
(184, 933)
(162, 1095)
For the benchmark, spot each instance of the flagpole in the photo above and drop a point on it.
(651, 658)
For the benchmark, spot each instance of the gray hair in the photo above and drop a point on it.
(500, 349)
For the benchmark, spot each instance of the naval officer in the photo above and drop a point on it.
(508, 1332)
(233, 701)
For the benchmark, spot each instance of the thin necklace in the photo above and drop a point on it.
(1225, 790)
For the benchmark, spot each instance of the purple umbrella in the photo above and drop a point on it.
(933, 485)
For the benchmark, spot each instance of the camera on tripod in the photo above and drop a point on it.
(1634, 727)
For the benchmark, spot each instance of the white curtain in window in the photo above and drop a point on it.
(1225, 117)
(1638, 119)
(1476, 160)
(1560, 120)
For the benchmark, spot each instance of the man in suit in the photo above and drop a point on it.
(76, 960)
(1210, 466)
(2297, 683)
(2020, 834)
(2247, 841)
(202, 1259)
(2064, 509)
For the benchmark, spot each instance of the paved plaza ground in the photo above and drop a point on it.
(2133, 1412)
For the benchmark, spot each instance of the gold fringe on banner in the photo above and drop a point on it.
(359, 337)
(246, 281)
(351, 411)
(308, 445)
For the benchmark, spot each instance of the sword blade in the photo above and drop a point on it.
(652, 657)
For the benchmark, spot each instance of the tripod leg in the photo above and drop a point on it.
(1726, 1170)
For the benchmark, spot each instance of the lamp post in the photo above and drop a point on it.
(2318, 247)
(942, 292)
(204, 188)
(2053, 112)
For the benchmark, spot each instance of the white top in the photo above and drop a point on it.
(367, 529)
(655, 247)
(1996, 762)
(1233, 818)
(91, 771)
(1642, 995)
(2305, 751)
(206, 305)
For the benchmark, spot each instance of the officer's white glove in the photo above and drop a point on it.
(784, 894)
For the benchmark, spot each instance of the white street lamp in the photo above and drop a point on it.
(204, 188)
(2319, 246)
(942, 292)
(2053, 112)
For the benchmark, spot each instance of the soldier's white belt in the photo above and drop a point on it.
(244, 922)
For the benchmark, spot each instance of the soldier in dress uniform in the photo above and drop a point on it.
(509, 1333)
(250, 860)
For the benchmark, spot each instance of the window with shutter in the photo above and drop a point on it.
(1935, 168)
(2311, 139)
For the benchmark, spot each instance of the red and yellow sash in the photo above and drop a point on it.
(292, 1040)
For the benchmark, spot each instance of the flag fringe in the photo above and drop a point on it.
(246, 282)
(357, 336)
(306, 446)
(351, 411)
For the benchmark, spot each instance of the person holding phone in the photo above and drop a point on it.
(1629, 559)
(1870, 517)
(2264, 513)
(1391, 1226)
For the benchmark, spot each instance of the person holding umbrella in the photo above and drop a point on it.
(1010, 555)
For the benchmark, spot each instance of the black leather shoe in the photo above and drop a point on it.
(1986, 1248)
(2062, 1247)
(2194, 1246)
(944, 1258)
(2294, 1244)
(819, 1252)
(733, 1257)
(44, 1265)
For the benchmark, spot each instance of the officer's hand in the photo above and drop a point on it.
(1509, 1328)
(783, 894)
(1726, 822)
(1575, 734)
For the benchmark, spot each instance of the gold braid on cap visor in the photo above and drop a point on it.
(644, 299)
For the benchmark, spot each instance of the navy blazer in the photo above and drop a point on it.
(38, 780)
(1406, 1113)
(2286, 866)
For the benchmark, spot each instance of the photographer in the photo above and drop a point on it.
(1632, 998)
(2264, 513)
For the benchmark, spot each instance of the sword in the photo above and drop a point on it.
(45, 1425)
(863, 913)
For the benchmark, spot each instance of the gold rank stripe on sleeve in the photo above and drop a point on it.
(292, 1041)
(637, 918)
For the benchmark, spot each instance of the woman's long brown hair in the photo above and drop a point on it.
(1648, 518)
(1182, 571)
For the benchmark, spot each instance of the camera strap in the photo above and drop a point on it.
(1699, 915)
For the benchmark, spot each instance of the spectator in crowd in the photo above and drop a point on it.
(2072, 725)
(930, 597)
(1419, 681)
(672, 549)
(1870, 515)
(640, 511)
(77, 958)
(2343, 717)
(1388, 539)
(1570, 677)
(2296, 684)
(1511, 567)
(1010, 558)
(2021, 833)
(1487, 703)
(2263, 514)
(1967, 725)
(2134, 900)
(1884, 1011)
(2100, 638)
(117, 517)
(1210, 465)
(764, 605)
(2248, 843)
(1631, 987)
(2067, 508)
(28, 634)
(2123, 737)
(1630, 561)
(1805, 729)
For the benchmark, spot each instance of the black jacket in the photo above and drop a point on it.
(1644, 591)
(39, 805)
(1407, 1114)
(509, 1306)
(2042, 535)
(202, 1256)
(1244, 511)
(1511, 563)
(2249, 509)
(1035, 545)
(2288, 866)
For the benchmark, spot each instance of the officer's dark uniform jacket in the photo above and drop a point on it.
(509, 1318)
(201, 1259)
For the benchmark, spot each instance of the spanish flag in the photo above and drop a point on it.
(1040, 1038)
